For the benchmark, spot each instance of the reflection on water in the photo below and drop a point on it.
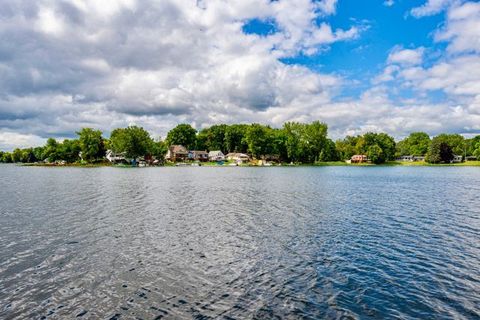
(239, 243)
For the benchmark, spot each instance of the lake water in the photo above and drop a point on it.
(232, 243)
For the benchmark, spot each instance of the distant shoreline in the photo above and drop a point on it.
(319, 164)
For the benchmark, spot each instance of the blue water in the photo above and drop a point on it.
(234, 243)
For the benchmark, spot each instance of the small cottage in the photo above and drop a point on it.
(197, 155)
(405, 158)
(177, 153)
(238, 157)
(457, 159)
(114, 157)
(359, 158)
(216, 155)
(411, 158)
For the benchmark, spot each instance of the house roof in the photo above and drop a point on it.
(198, 151)
(178, 149)
(215, 153)
(237, 154)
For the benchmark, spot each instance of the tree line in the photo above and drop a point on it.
(293, 142)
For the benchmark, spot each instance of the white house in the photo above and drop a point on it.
(457, 158)
(115, 157)
(411, 158)
(238, 157)
(405, 158)
(198, 155)
(216, 155)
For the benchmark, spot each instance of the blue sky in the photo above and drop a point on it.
(396, 66)
(383, 28)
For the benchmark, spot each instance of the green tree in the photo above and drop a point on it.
(416, 144)
(375, 154)
(29, 156)
(382, 140)
(183, 134)
(50, 150)
(455, 141)
(315, 139)
(346, 148)
(158, 149)
(439, 151)
(133, 141)
(305, 141)
(6, 157)
(279, 144)
(17, 155)
(294, 144)
(235, 138)
(213, 138)
(259, 140)
(38, 153)
(69, 150)
(91, 144)
(329, 152)
(473, 147)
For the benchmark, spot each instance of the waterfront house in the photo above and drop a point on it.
(216, 155)
(271, 157)
(198, 155)
(176, 153)
(405, 158)
(359, 158)
(411, 158)
(238, 157)
(471, 158)
(115, 157)
(457, 159)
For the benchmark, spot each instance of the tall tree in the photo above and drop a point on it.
(369, 143)
(294, 132)
(375, 154)
(183, 134)
(69, 150)
(346, 148)
(416, 144)
(91, 144)
(455, 141)
(439, 151)
(474, 147)
(305, 141)
(235, 138)
(134, 141)
(158, 149)
(315, 136)
(259, 140)
(213, 138)
(329, 152)
(50, 150)
(17, 155)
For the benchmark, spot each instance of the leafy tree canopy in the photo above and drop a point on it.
(90, 143)
(133, 141)
(183, 134)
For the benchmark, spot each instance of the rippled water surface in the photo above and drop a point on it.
(230, 243)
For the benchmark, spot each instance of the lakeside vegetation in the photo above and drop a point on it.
(294, 143)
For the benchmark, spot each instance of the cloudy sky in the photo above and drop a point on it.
(396, 65)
